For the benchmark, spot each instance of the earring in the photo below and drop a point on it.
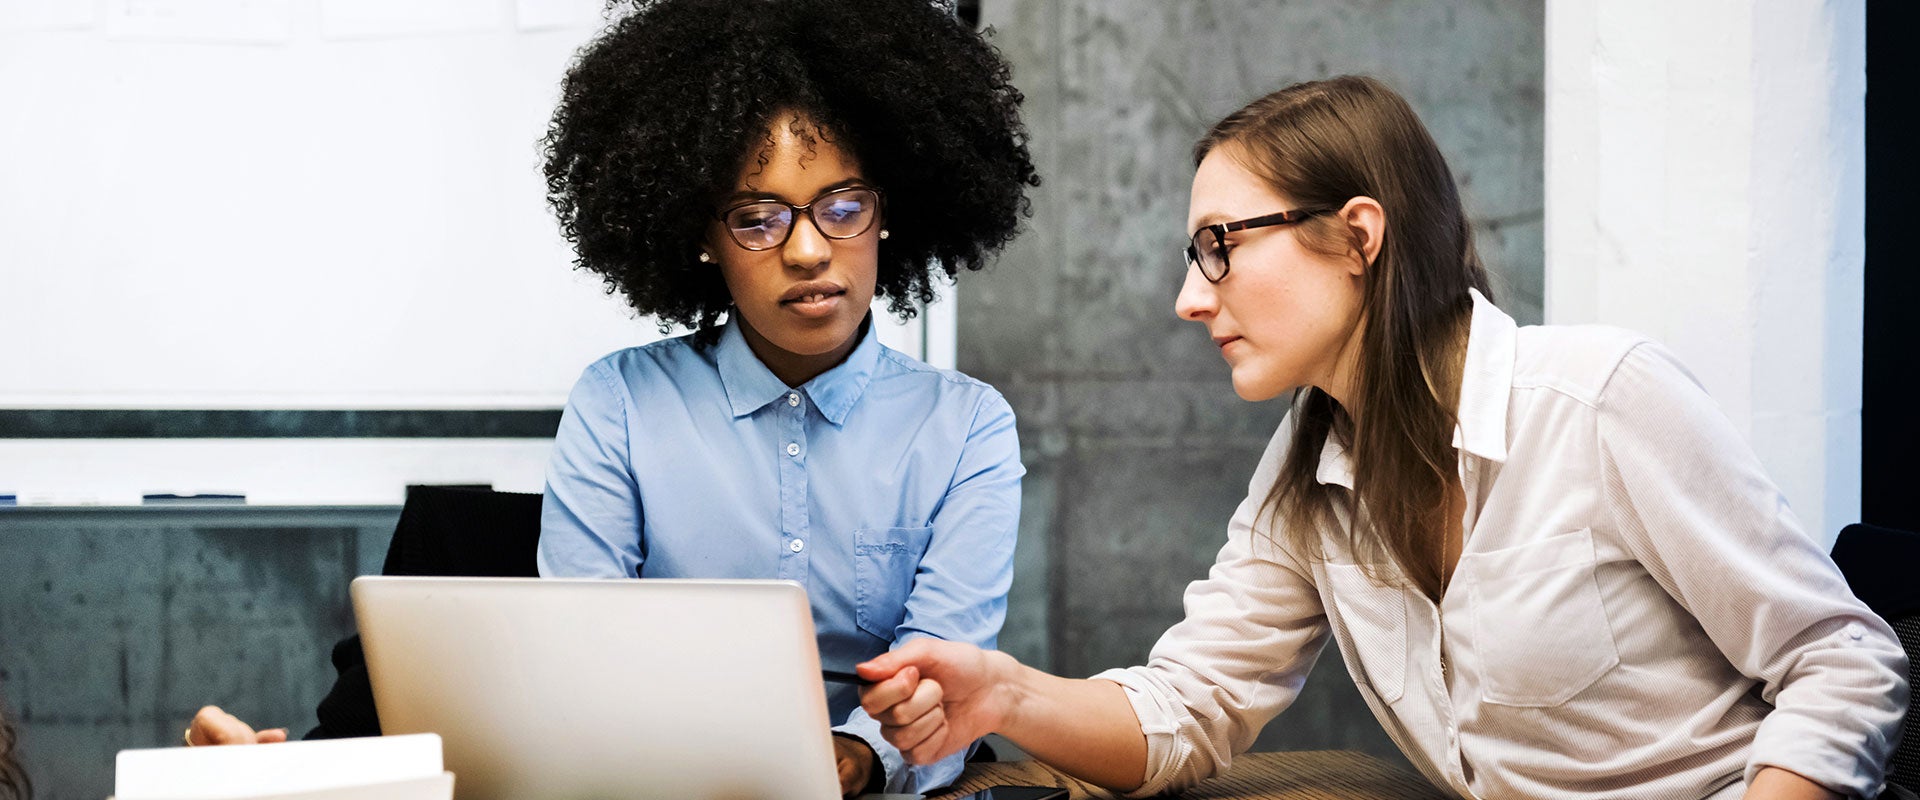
(704, 258)
(883, 233)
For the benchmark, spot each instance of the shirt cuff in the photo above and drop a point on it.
(1805, 747)
(1158, 723)
(867, 729)
(901, 777)
(1825, 726)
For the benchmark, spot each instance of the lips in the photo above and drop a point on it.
(1222, 341)
(811, 292)
(813, 300)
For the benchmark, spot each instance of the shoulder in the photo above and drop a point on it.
(900, 375)
(666, 355)
(1628, 379)
(628, 371)
(1578, 361)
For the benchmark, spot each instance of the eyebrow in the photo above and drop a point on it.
(746, 195)
(1210, 218)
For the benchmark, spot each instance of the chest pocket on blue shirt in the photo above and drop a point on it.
(885, 560)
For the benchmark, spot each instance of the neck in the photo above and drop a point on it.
(1337, 377)
(794, 369)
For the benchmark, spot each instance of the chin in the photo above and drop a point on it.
(816, 340)
(804, 345)
(1255, 389)
(1253, 396)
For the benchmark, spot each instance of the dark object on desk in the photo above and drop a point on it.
(1007, 792)
(1880, 565)
(461, 531)
(193, 499)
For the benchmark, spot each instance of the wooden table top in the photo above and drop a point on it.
(1315, 775)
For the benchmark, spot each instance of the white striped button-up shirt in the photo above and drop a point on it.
(1636, 613)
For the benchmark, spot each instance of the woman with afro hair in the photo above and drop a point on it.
(760, 172)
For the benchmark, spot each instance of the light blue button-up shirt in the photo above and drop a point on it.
(888, 488)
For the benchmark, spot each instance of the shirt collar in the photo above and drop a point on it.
(751, 386)
(1486, 384)
(1335, 468)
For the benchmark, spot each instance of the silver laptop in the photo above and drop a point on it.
(545, 688)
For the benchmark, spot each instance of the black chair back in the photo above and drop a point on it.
(458, 531)
(467, 532)
(1881, 565)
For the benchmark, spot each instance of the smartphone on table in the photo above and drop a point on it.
(1017, 793)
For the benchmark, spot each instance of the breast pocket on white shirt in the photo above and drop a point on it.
(884, 563)
(1539, 627)
(1370, 622)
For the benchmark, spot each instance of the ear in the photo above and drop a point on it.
(713, 242)
(1367, 224)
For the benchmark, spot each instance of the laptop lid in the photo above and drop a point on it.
(551, 688)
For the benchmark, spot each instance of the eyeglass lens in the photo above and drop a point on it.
(1206, 253)
(839, 214)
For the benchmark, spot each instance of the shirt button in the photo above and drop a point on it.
(797, 545)
(793, 448)
(793, 398)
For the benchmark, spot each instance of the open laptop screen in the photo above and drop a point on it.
(551, 688)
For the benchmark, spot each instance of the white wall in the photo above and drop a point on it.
(1705, 185)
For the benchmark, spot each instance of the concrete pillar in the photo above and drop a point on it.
(1706, 173)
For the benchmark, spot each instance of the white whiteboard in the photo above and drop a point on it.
(293, 204)
(271, 204)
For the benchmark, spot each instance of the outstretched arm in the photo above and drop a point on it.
(933, 697)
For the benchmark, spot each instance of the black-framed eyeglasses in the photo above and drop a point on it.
(1208, 250)
(766, 224)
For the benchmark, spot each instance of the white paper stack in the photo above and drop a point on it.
(372, 768)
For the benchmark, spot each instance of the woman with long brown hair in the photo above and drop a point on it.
(1552, 566)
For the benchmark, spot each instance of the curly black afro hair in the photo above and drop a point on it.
(660, 112)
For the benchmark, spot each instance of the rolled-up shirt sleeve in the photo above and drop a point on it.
(1689, 498)
(1253, 630)
(590, 517)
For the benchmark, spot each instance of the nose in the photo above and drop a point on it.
(1198, 299)
(806, 248)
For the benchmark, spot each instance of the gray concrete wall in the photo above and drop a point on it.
(1136, 448)
(116, 625)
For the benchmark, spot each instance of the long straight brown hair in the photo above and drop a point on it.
(1321, 144)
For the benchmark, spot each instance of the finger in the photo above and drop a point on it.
(918, 652)
(926, 699)
(214, 726)
(272, 736)
(847, 772)
(932, 748)
(879, 697)
(883, 666)
(913, 734)
(199, 731)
